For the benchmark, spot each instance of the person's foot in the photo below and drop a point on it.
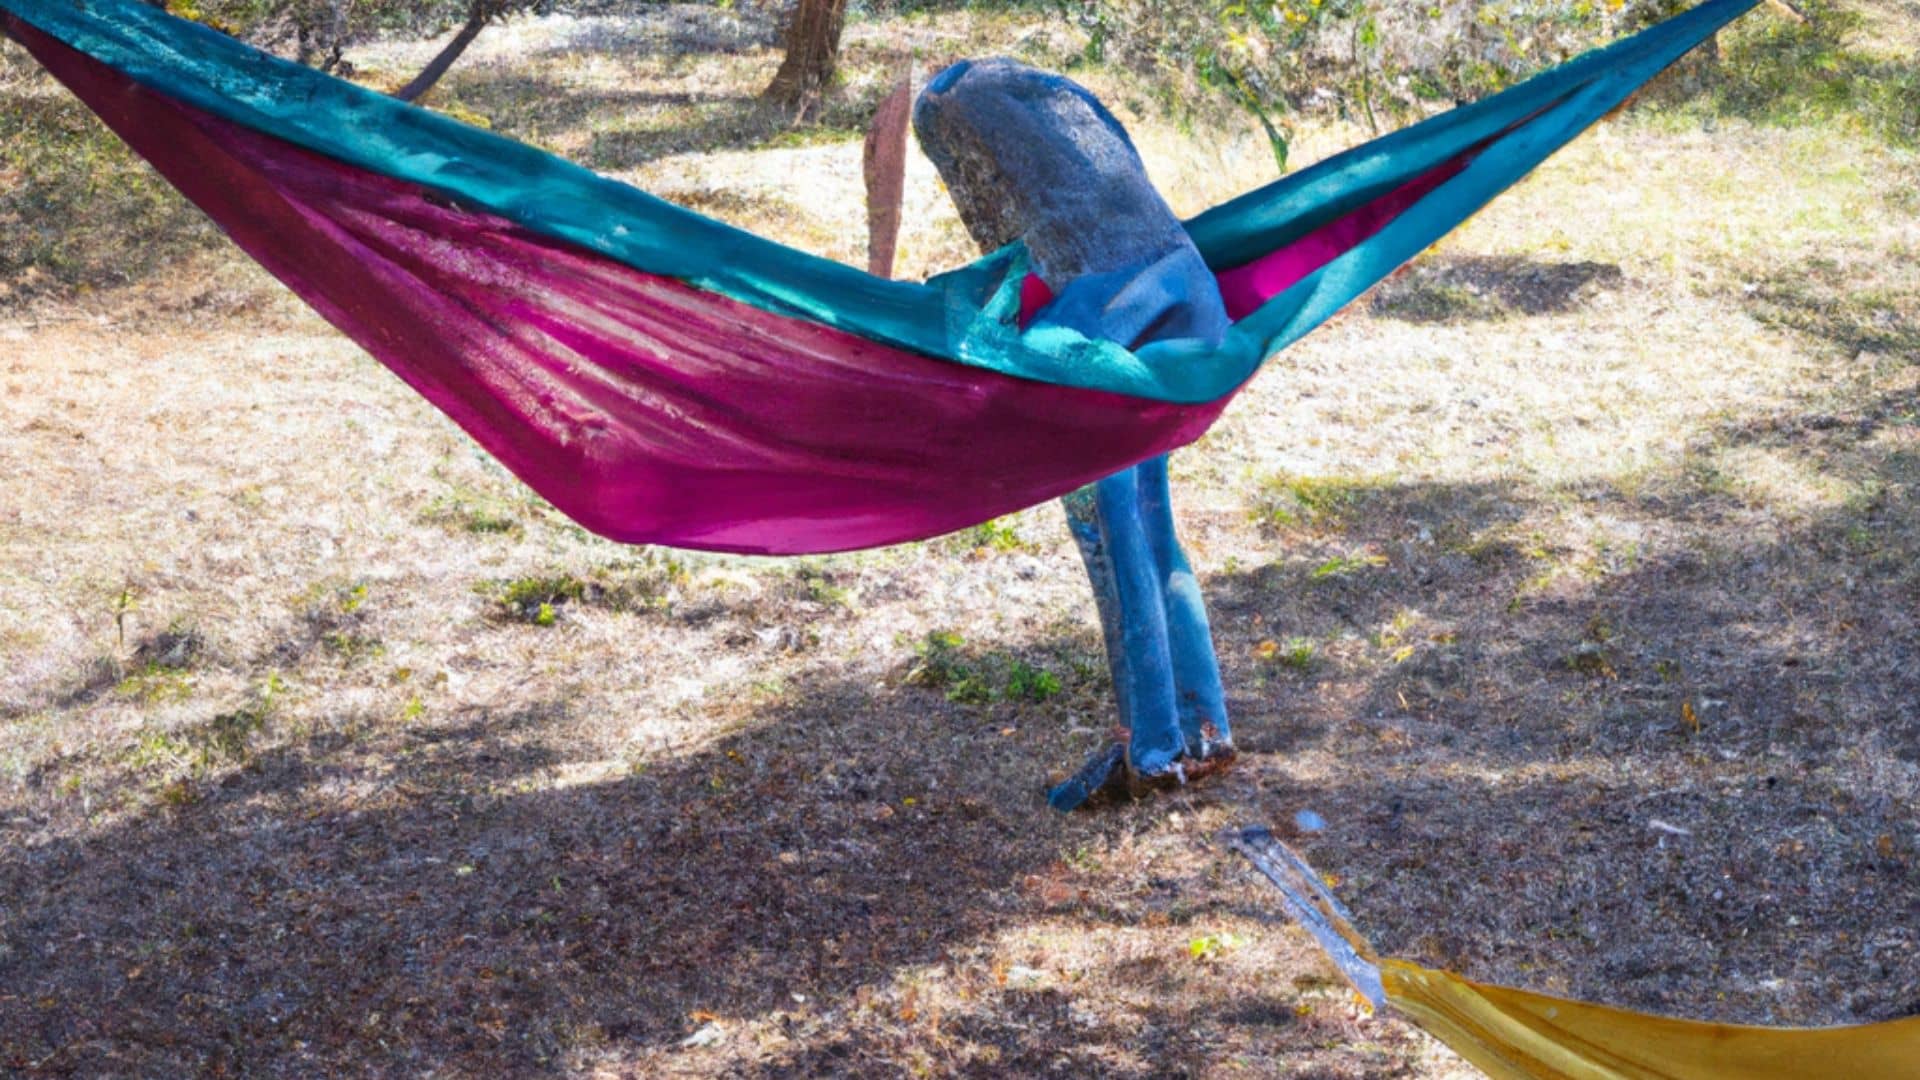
(1196, 763)
(1109, 775)
(1103, 771)
(1213, 752)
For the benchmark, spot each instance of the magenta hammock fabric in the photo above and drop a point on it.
(645, 409)
(663, 378)
(1245, 288)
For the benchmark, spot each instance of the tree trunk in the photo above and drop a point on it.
(336, 39)
(813, 47)
(320, 36)
(478, 16)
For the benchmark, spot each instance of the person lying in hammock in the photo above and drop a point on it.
(1033, 157)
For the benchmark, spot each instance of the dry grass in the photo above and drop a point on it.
(325, 748)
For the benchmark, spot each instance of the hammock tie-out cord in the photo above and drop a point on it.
(1520, 1035)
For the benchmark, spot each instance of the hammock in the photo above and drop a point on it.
(661, 377)
(1520, 1035)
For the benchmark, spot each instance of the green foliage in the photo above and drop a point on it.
(156, 684)
(1213, 946)
(334, 615)
(225, 739)
(1295, 653)
(1343, 565)
(124, 603)
(474, 512)
(817, 586)
(998, 535)
(943, 663)
(632, 586)
(327, 606)
(1029, 683)
(352, 648)
(1379, 60)
(1813, 73)
(1387, 62)
(940, 665)
(534, 599)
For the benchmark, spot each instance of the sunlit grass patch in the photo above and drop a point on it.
(1345, 565)
(1781, 480)
(475, 512)
(154, 684)
(1286, 499)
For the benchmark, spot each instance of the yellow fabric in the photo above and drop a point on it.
(1516, 1034)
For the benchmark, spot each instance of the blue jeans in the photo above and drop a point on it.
(1166, 678)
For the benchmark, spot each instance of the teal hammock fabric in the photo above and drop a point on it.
(663, 377)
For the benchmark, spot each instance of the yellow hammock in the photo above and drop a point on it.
(1526, 1036)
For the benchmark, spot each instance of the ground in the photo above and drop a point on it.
(1570, 577)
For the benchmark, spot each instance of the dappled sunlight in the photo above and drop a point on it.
(1554, 399)
(1679, 203)
(1488, 658)
(1788, 483)
(1572, 580)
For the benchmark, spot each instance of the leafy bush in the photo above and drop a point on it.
(1382, 60)
(1781, 72)
(1388, 62)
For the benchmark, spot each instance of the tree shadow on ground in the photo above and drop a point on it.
(1450, 288)
(1852, 302)
(629, 128)
(642, 124)
(465, 914)
(669, 30)
(78, 206)
(1491, 721)
(1674, 771)
(455, 908)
